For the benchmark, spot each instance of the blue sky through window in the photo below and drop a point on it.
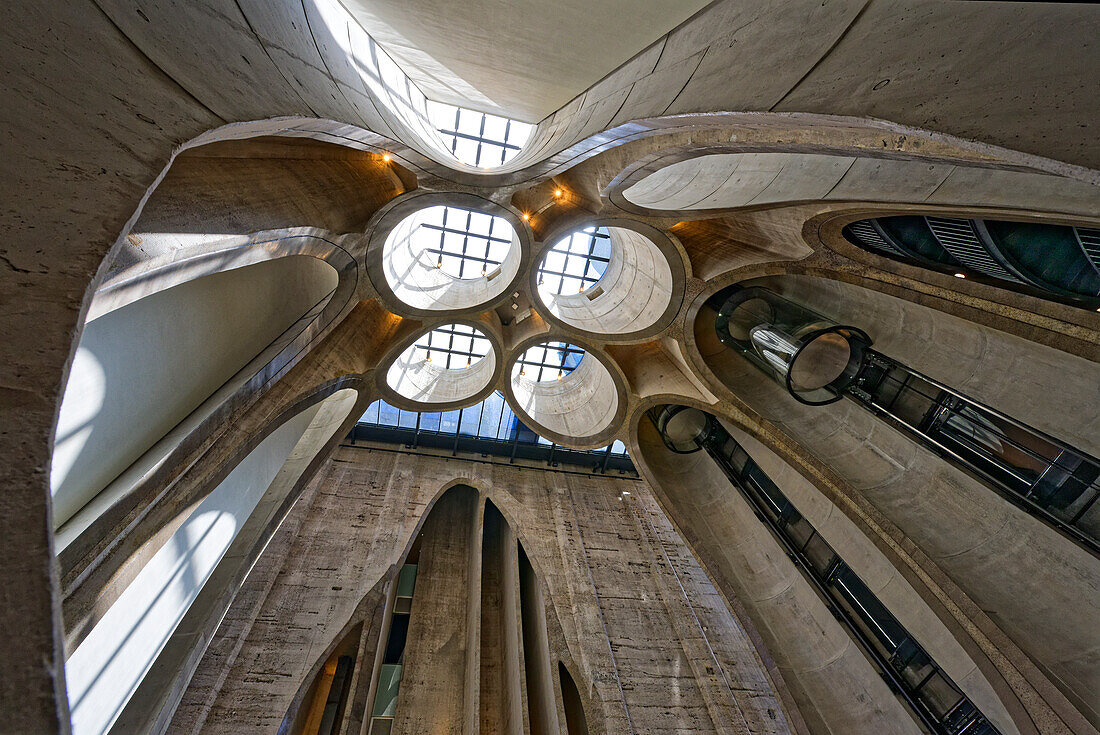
(490, 419)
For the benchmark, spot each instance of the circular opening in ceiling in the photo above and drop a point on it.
(445, 258)
(547, 361)
(565, 392)
(607, 280)
(449, 364)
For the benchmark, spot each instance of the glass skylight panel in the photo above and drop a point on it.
(463, 243)
(476, 138)
(491, 419)
(548, 361)
(454, 347)
(576, 263)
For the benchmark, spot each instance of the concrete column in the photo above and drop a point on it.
(541, 702)
(433, 695)
(833, 684)
(499, 699)
(514, 661)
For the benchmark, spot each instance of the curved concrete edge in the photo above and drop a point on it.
(470, 387)
(715, 180)
(665, 244)
(390, 218)
(542, 406)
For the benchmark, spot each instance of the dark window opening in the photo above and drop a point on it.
(1055, 262)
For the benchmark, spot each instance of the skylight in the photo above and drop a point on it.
(454, 346)
(476, 138)
(463, 243)
(576, 263)
(490, 427)
(548, 361)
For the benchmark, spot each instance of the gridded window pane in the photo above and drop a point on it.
(476, 138)
(576, 263)
(430, 421)
(407, 420)
(548, 361)
(460, 242)
(491, 421)
(454, 346)
(448, 422)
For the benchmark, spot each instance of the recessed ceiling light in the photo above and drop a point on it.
(526, 216)
(387, 157)
(558, 192)
(960, 275)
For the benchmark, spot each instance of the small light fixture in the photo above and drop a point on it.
(386, 157)
(558, 193)
(526, 216)
(960, 275)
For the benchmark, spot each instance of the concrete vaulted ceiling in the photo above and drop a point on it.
(523, 59)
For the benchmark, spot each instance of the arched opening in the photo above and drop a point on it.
(565, 391)
(448, 364)
(575, 722)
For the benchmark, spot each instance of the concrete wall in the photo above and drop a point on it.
(729, 180)
(113, 659)
(989, 548)
(836, 688)
(650, 641)
(633, 293)
(582, 404)
(416, 379)
(884, 581)
(102, 100)
(140, 369)
(412, 276)
(998, 369)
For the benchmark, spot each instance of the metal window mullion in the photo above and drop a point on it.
(476, 139)
(466, 233)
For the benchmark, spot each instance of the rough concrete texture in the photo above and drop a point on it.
(632, 610)
(150, 147)
(989, 546)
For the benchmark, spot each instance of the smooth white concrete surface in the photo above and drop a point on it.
(580, 404)
(411, 274)
(523, 59)
(109, 664)
(726, 180)
(834, 685)
(882, 578)
(153, 703)
(140, 369)
(631, 295)
(413, 377)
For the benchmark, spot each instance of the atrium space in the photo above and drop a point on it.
(618, 367)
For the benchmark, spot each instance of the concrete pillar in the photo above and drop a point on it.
(541, 701)
(433, 696)
(499, 700)
(833, 684)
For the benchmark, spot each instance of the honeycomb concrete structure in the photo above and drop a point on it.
(285, 449)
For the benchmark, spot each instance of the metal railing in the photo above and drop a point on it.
(933, 698)
(1038, 473)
